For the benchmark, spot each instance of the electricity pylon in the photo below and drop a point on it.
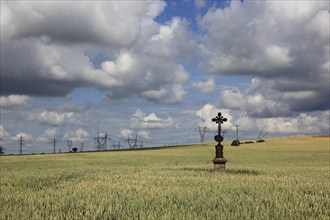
(21, 143)
(69, 144)
(236, 131)
(134, 143)
(54, 146)
(116, 146)
(101, 141)
(202, 131)
(82, 147)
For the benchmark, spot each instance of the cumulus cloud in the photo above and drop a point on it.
(75, 108)
(144, 135)
(313, 123)
(125, 133)
(10, 142)
(255, 104)
(158, 81)
(155, 95)
(47, 136)
(305, 124)
(49, 49)
(4, 137)
(3, 134)
(172, 40)
(54, 118)
(200, 3)
(141, 120)
(7, 139)
(49, 54)
(76, 136)
(178, 94)
(207, 87)
(55, 20)
(242, 48)
(262, 99)
(209, 111)
(284, 46)
(26, 137)
(12, 101)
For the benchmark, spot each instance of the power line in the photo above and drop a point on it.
(302, 57)
(294, 72)
(259, 135)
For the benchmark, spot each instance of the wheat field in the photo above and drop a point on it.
(282, 178)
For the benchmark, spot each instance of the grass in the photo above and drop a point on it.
(286, 178)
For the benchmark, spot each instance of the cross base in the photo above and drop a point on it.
(219, 164)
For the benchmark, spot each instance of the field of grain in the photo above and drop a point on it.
(285, 178)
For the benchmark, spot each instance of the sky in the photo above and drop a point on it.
(72, 70)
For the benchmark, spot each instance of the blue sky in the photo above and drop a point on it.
(159, 69)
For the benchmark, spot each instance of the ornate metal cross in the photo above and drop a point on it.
(219, 119)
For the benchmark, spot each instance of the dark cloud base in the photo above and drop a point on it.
(33, 87)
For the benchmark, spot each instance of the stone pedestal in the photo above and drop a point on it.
(219, 164)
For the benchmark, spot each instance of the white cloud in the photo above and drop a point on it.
(247, 123)
(54, 118)
(209, 111)
(263, 98)
(155, 8)
(49, 54)
(7, 140)
(14, 101)
(46, 53)
(125, 133)
(33, 19)
(282, 45)
(144, 135)
(254, 51)
(278, 56)
(172, 40)
(207, 87)
(3, 134)
(200, 3)
(305, 124)
(79, 135)
(141, 120)
(166, 32)
(314, 123)
(178, 94)
(26, 137)
(47, 136)
(155, 95)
